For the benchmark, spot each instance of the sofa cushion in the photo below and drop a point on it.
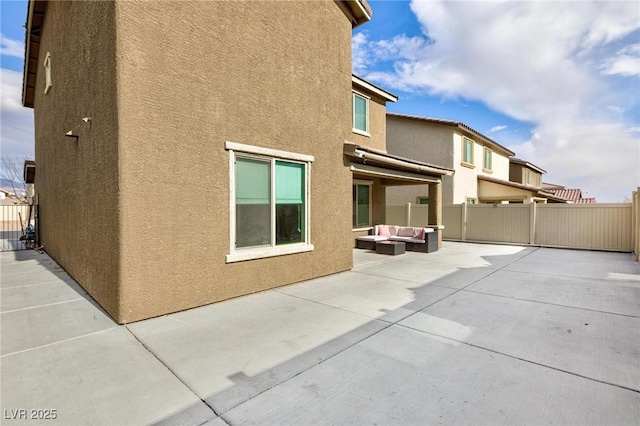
(406, 231)
(373, 238)
(382, 230)
(397, 238)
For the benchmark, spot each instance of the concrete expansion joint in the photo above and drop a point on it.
(604, 382)
(148, 349)
(553, 304)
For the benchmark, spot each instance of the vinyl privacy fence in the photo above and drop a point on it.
(590, 226)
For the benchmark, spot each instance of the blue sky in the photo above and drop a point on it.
(558, 82)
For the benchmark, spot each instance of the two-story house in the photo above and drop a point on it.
(485, 171)
(207, 166)
(375, 171)
(451, 144)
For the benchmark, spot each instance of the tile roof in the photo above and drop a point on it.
(452, 123)
(571, 194)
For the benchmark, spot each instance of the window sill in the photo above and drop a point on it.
(487, 171)
(263, 252)
(469, 165)
(361, 132)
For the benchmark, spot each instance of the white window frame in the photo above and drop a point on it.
(527, 176)
(47, 73)
(464, 151)
(369, 183)
(353, 118)
(250, 253)
(484, 160)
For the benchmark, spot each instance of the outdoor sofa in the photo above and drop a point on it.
(416, 239)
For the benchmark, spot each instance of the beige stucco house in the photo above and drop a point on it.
(197, 158)
(375, 171)
(485, 171)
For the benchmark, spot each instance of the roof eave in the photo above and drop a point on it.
(373, 88)
(457, 124)
(35, 19)
(360, 10)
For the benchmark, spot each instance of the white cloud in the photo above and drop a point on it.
(16, 121)
(625, 63)
(11, 47)
(360, 54)
(547, 63)
(497, 128)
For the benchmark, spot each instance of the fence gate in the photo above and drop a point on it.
(17, 227)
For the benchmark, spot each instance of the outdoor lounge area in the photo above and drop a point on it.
(420, 239)
(471, 334)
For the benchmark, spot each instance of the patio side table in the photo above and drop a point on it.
(390, 247)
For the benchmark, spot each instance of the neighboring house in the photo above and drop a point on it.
(571, 195)
(451, 144)
(524, 186)
(239, 117)
(375, 171)
(485, 171)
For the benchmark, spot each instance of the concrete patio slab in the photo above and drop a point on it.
(32, 327)
(401, 376)
(586, 264)
(619, 297)
(234, 350)
(587, 343)
(385, 299)
(106, 378)
(46, 293)
(471, 334)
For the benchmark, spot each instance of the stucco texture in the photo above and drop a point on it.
(193, 75)
(377, 138)
(137, 210)
(77, 181)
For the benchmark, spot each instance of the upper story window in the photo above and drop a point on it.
(47, 73)
(467, 151)
(487, 165)
(360, 114)
(269, 202)
(527, 176)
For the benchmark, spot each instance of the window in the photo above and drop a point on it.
(361, 204)
(472, 201)
(47, 73)
(467, 151)
(527, 176)
(487, 159)
(538, 180)
(360, 114)
(269, 202)
(423, 200)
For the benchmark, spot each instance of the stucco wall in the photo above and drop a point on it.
(77, 181)
(499, 163)
(516, 173)
(377, 122)
(192, 76)
(420, 141)
(465, 182)
(429, 143)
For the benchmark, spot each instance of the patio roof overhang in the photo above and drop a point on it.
(492, 189)
(393, 169)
